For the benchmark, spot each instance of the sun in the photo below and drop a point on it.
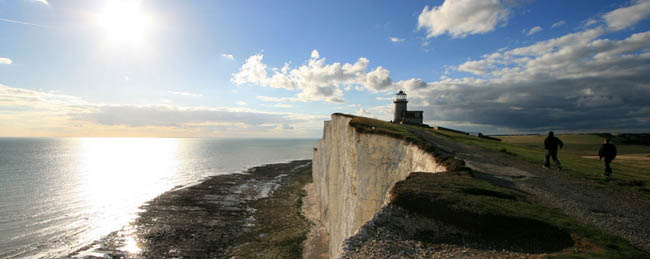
(123, 22)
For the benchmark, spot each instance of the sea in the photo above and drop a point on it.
(58, 195)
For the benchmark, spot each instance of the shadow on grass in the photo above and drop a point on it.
(480, 209)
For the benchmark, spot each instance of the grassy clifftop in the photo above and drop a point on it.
(578, 156)
(506, 219)
(401, 131)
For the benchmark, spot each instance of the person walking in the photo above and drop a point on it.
(607, 151)
(551, 144)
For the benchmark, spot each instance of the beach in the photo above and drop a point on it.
(234, 215)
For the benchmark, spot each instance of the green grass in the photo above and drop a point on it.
(628, 174)
(504, 217)
(368, 125)
(374, 126)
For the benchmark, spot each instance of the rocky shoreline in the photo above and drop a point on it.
(212, 219)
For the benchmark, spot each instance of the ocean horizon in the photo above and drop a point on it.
(58, 195)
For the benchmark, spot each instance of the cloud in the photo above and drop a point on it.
(383, 112)
(478, 67)
(627, 16)
(253, 71)
(24, 23)
(242, 103)
(396, 39)
(590, 22)
(23, 99)
(558, 24)
(413, 84)
(282, 105)
(278, 99)
(378, 79)
(228, 56)
(33, 113)
(185, 93)
(169, 115)
(363, 112)
(5, 61)
(41, 1)
(460, 18)
(227, 121)
(579, 81)
(534, 30)
(316, 80)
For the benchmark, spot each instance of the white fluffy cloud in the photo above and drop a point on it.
(252, 71)
(5, 61)
(460, 18)
(534, 30)
(623, 17)
(378, 79)
(316, 80)
(413, 84)
(396, 39)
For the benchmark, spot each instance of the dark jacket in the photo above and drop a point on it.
(608, 151)
(552, 143)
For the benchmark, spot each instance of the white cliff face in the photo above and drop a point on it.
(353, 172)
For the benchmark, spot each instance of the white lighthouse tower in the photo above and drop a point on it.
(400, 106)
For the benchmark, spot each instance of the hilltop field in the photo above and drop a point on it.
(579, 157)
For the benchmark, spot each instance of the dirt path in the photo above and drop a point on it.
(623, 213)
(639, 157)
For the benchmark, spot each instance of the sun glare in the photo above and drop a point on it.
(123, 173)
(123, 22)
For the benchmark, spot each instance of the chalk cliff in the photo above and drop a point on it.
(353, 172)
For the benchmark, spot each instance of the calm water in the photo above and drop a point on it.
(57, 195)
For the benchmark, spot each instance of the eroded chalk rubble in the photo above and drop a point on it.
(198, 221)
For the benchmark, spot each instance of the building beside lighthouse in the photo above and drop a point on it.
(402, 114)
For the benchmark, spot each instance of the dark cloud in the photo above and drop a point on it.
(619, 103)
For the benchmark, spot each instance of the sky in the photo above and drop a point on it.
(278, 69)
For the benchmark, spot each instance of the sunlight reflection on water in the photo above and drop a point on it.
(122, 174)
(58, 196)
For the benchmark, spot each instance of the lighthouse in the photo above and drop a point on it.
(402, 115)
(400, 106)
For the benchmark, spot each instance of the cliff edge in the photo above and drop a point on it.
(387, 190)
(354, 171)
